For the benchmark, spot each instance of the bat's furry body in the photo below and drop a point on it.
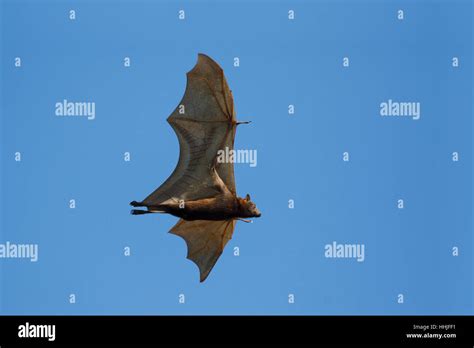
(222, 207)
(200, 190)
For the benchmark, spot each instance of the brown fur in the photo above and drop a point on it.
(222, 207)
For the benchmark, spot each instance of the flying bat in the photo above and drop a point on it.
(201, 190)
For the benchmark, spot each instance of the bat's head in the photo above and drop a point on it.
(248, 208)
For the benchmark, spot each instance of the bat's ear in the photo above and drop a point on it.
(247, 198)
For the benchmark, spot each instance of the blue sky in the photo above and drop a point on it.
(407, 251)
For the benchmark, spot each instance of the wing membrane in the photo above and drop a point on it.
(205, 240)
(204, 123)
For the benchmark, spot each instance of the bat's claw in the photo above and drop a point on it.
(243, 122)
(135, 204)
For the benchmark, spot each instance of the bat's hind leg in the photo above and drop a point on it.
(136, 204)
(140, 212)
(149, 211)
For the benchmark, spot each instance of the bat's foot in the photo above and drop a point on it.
(139, 212)
(136, 204)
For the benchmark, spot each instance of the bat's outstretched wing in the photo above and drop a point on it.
(206, 240)
(204, 122)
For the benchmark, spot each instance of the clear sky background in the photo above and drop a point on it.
(282, 62)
